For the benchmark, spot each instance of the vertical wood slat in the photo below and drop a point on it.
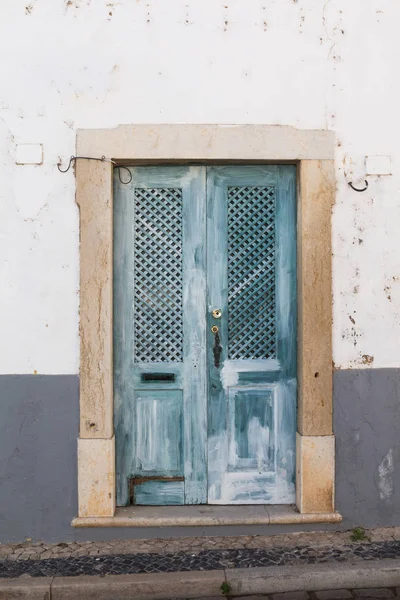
(217, 298)
(317, 185)
(194, 348)
(94, 198)
(124, 407)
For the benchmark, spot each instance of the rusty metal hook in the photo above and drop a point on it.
(357, 190)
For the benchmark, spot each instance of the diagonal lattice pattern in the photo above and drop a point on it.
(251, 272)
(158, 275)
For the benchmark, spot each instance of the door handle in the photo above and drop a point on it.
(217, 348)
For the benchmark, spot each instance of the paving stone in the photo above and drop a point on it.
(373, 593)
(78, 552)
(12, 557)
(333, 595)
(29, 551)
(73, 545)
(380, 533)
(34, 557)
(291, 596)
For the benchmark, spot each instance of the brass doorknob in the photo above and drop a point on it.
(217, 313)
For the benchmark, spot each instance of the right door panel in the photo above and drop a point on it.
(251, 274)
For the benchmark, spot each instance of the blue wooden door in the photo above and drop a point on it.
(160, 388)
(205, 350)
(251, 274)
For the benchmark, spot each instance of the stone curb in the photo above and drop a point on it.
(202, 584)
(139, 587)
(38, 588)
(312, 578)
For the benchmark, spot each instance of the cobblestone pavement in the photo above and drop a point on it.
(118, 564)
(30, 550)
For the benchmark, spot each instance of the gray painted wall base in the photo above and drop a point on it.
(38, 480)
(367, 427)
(38, 430)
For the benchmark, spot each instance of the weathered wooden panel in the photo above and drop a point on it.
(159, 493)
(252, 427)
(158, 432)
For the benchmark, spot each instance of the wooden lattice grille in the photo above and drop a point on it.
(251, 272)
(158, 275)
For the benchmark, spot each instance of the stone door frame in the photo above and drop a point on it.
(313, 153)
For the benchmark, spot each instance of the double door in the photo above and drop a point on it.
(205, 335)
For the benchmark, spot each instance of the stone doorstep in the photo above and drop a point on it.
(203, 584)
(206, 515)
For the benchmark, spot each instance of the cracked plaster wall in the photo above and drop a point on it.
(71, 64)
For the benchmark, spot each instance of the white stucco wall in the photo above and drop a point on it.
(69, 64)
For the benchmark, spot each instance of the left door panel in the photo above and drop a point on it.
(159, 336)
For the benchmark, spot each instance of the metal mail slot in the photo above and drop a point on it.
(157, 377)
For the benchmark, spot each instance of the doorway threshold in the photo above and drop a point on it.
(206, 515)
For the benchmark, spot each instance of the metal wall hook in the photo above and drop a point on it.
(357, 190)
(118, 168)
(73, 159)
